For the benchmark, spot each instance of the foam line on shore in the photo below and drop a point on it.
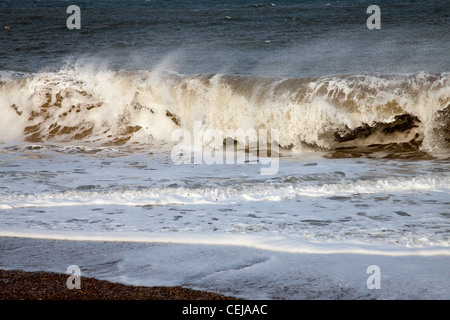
(258, 241)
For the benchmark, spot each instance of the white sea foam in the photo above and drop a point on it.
(225, 195)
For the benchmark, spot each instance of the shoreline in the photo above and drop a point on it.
(241, 273)
(41, 285)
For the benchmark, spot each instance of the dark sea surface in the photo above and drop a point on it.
(269, 38)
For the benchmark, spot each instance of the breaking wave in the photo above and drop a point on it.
(106, 107)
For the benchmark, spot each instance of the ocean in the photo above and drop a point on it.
(261, 149)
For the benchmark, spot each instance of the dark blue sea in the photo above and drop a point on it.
(263, 38)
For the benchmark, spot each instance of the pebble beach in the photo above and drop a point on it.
(21, 285)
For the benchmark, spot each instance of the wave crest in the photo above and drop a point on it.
(327, 113)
